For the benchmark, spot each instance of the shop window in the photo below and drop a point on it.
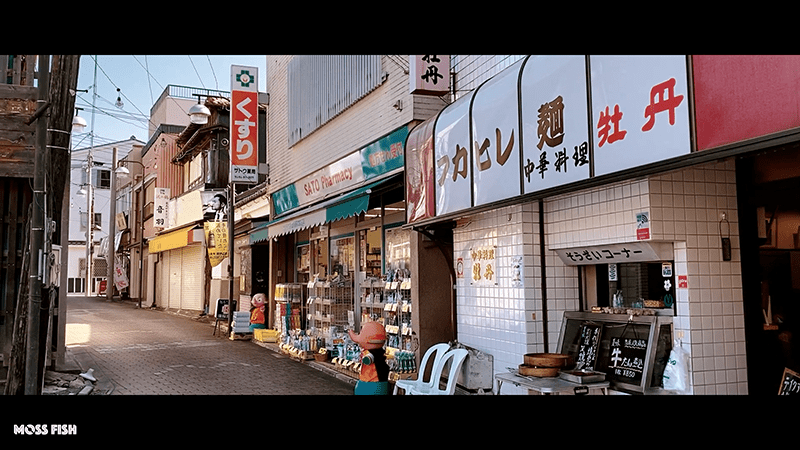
(343, 256)
(398, 253)
(303, 262)
(635, 285)
(369, 245)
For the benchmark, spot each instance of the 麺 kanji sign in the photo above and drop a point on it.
(244, 124)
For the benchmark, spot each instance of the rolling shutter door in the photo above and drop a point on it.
(174, 280)
(192, 285)
(163, 280)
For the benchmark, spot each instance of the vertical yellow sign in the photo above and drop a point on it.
(216, 241)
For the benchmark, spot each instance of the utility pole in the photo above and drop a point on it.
(111, 239)
(37, 233)
(90, 193)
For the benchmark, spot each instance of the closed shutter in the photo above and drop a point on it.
(175, 275)
(163, 280)
(192, 290)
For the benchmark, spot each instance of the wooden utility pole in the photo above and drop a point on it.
(32, 332)
(32, 386)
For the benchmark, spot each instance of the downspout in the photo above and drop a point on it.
(543, 264)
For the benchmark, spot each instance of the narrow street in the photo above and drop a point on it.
(150, 352)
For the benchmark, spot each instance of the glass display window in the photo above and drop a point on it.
(343, 256)
(370, 252)
(398, 253)
(631, 285)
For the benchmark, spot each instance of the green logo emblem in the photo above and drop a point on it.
(244, 78)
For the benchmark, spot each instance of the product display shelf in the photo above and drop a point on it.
(372, 300)
(397, 314)
(289, 306)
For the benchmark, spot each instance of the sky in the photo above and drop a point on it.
(141, 79)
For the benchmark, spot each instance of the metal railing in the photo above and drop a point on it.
(176, 91)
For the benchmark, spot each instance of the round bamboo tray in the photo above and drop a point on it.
(556, 360)
(530, 371)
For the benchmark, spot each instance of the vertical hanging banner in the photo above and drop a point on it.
(244, 125)
(216, 241)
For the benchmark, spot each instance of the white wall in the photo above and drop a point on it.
(685, 207)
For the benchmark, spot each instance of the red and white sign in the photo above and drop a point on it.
(244, 125)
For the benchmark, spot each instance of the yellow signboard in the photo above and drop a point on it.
(171, 240)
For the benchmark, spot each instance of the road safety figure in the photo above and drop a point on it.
(374, 375)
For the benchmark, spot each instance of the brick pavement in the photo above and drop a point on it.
(149, 352)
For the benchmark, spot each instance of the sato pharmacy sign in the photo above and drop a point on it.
(535, 126)
(378, 158)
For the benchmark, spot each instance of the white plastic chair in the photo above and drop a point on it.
(437, 352)
(456, 358)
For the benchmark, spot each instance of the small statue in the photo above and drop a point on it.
(257, 312)
(374, 373)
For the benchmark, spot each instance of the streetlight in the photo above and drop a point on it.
(199, 113)
(122, 170)
(78, 122)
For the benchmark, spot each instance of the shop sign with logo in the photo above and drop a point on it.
(244, 124)
(379, 158)
(637, 114)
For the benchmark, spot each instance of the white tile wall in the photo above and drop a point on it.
(685, 208)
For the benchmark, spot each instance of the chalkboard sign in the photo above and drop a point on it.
(790, 383)
(222, 309)
(588, 344)
(630, 350)
(627, 353)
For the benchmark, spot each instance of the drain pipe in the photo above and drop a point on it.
(543, 264)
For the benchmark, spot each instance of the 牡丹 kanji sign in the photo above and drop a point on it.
(429, 74)
(244, 124)
(484, 266)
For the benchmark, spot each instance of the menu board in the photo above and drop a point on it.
(631, 351)
(588, 344)
(625, 360)
(790, 383)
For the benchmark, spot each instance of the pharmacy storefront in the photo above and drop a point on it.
(573, 187)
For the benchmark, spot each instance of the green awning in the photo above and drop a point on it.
(259, 236)
(341, 207)
(348, 208)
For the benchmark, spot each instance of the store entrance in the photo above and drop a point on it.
(769, 224)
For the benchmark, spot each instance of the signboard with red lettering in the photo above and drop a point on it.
(244, 125)
(640, 110)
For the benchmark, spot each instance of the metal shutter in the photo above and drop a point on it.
(192, 285)
(174, 280)
(163, 280)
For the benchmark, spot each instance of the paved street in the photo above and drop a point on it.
(148, 352)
